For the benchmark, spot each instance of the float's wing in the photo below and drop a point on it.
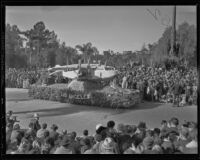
(70, 74)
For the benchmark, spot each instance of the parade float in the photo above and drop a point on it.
(86, 86)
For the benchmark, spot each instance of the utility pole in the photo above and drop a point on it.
(173, 33)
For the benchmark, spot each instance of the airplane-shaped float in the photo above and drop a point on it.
(95, 72)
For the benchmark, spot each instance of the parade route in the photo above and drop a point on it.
(77, 117)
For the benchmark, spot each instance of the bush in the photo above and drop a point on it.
(107, 97)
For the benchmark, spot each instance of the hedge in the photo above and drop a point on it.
(106, 97)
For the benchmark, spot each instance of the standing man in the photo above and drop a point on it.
(124, 82)
(35, 122)
(176, 89)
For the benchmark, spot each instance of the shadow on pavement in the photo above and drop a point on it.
(71, 109)
(16, 100)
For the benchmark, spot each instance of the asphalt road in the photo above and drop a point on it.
(77, 117)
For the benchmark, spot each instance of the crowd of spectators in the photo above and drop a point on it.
(169, 138)
(176, 85)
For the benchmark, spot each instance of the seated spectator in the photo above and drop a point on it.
(53, 133)
(173, 126)
(12, 147)
(124, 138)
(164, 127)
(149, 133)
(46, 135)
(100, 129)
(16, 134)
(9, 129)
(157, 148)
(40, 132)
(23, 147)
(98, 139)
(47, 145)
(65, 146)
(148, 145)
(108, 146)
(120, 128)
(36, 147)
(132, 149)
(156, 137)
(31, 131)
(141, 132)
(167, 145)
(86, 146)
(182, 139)
(74, 144)
(194, 137)
(85, 133)
(64, 132)
(110, 127)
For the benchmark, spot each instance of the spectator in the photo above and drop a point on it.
(157, 139)
(87, 145)
(36, 147)
(16, 134)
(65, 147)
(53, 133)
(167, 145)
(148, 145)
(108, 146)
(40, 132)
(75, 145)
(35, 122)
(182, 139)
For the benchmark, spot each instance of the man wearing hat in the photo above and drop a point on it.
(35, 121)
(65, 146)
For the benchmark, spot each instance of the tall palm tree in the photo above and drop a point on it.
(88, 50)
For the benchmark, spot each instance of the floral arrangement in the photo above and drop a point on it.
(106, 97)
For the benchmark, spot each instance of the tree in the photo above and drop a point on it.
(187, 42)
(14, 48)
(88, 50)
(66, 55)
(185, 46)
(43, 44)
